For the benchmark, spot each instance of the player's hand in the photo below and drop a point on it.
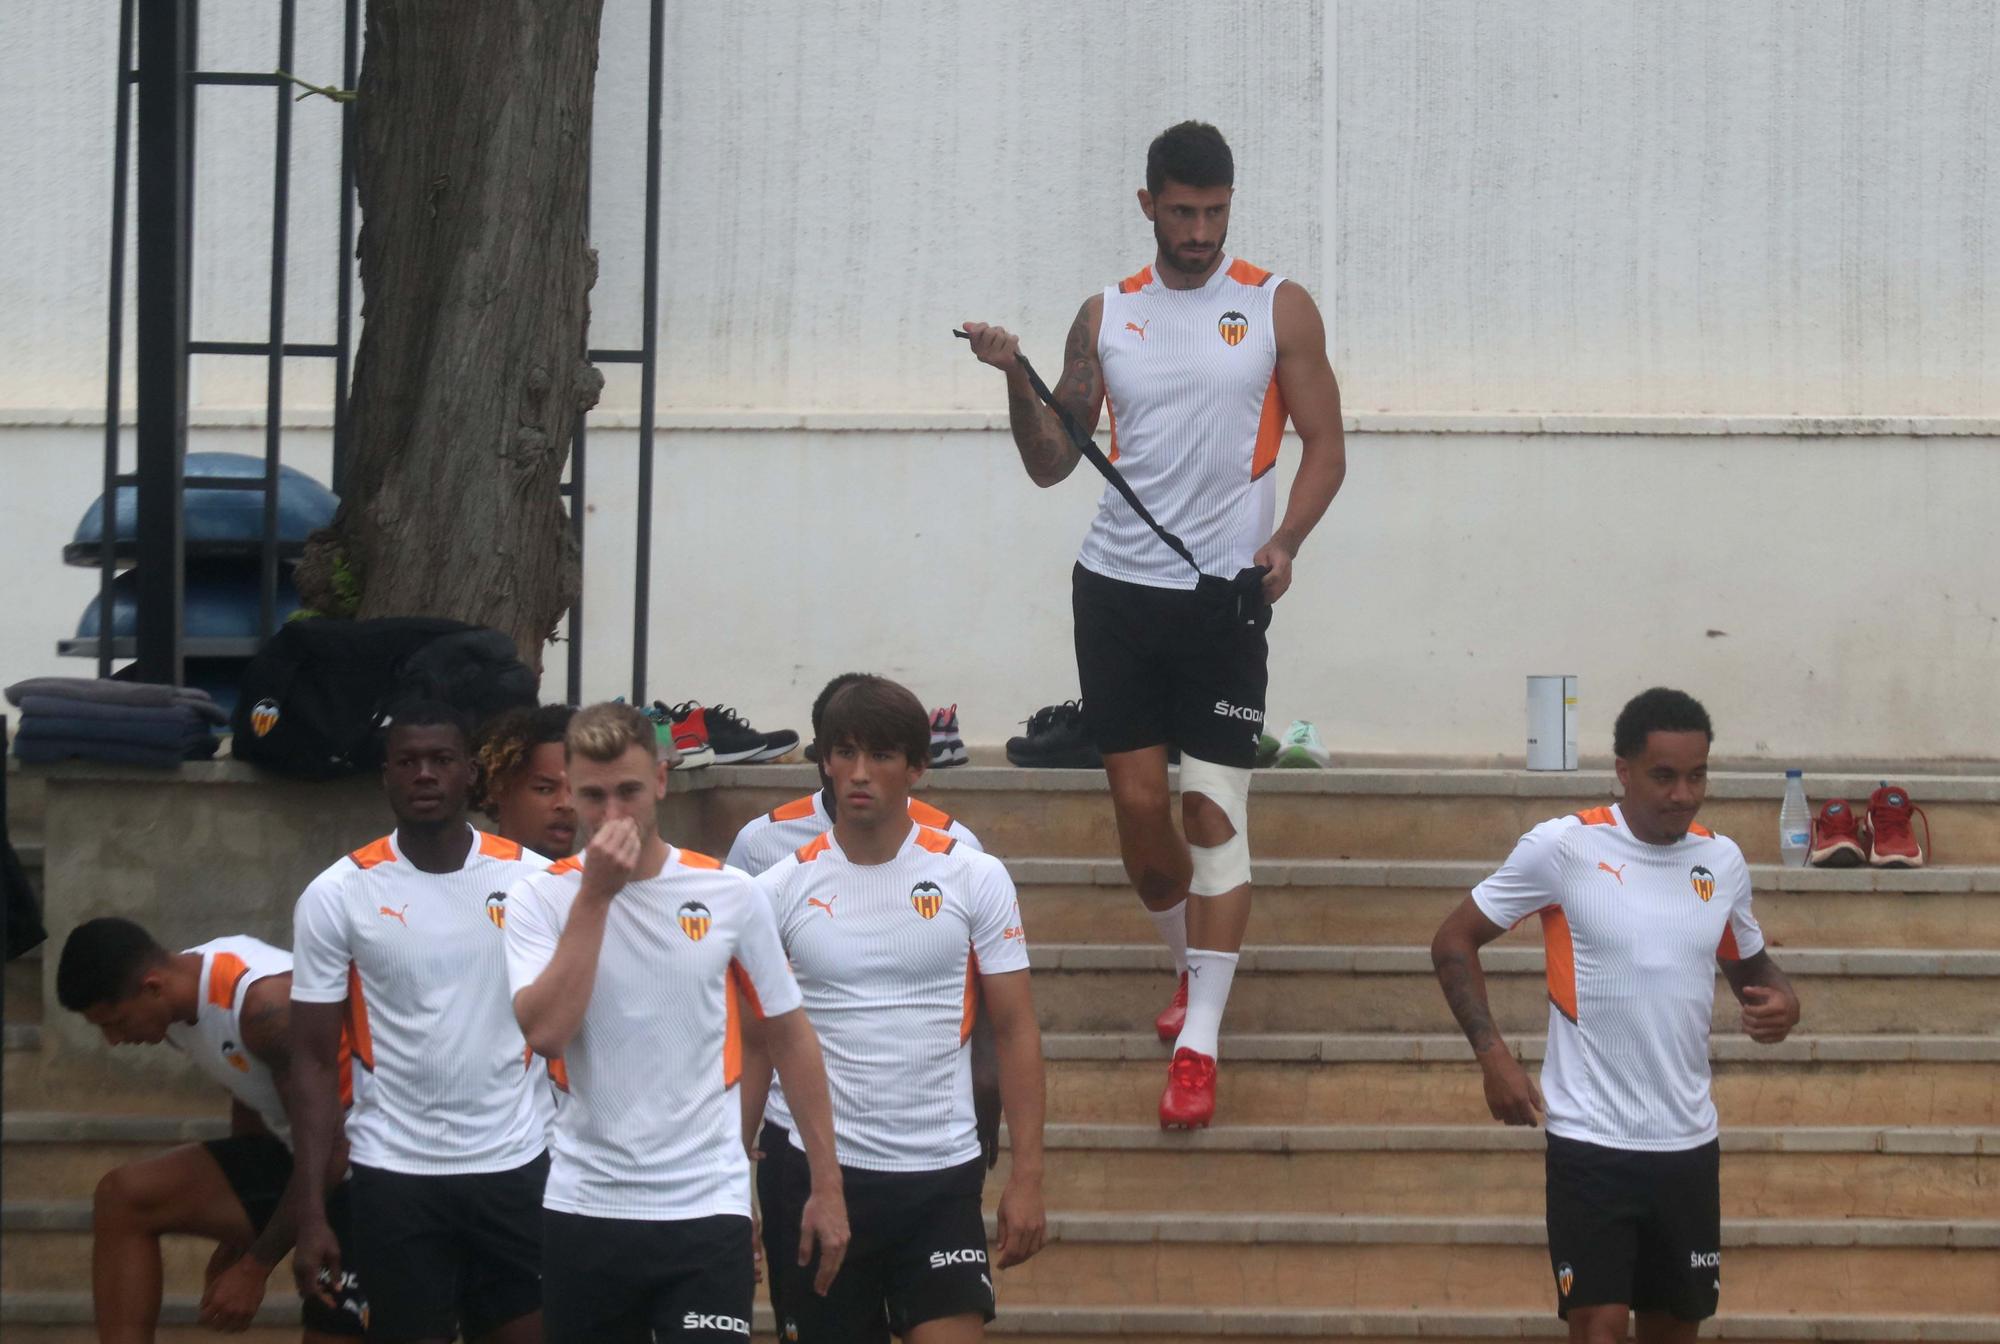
(233, 1296)
(1768, 1014)
(1024, 1229)
(225, 1256)
(610, 857)
(823, 1226)
(1510, 1093)
(316, 1259)
(994, 345)
(1278, 561)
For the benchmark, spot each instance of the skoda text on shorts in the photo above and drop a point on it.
(1638, 905)
(1200, 358)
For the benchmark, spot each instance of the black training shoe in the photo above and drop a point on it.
(1055, 740)
(734, 740)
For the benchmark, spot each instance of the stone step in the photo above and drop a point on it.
(1354, 813)
(22, 979)
(1431, 1080)
(1376, 1263)
(1108, 988)
(1325, 901)
(1767, 1172)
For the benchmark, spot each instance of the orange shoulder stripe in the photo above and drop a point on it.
(937, 842)
(687, 858)
(572, 864)
(1597, 816)
(225, 972)
(1137, 281)
(924, 814)
(374, 852)
(498, 847)
(1696, 828)
(1243, 273)
(796, 810)
(815, 847)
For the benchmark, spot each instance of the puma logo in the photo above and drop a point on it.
(1618, 872)
(396, 915)
(1139, 327)
(826, 905)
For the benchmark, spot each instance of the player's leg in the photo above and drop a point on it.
(347, 1317)
(780, 1221)
(183, 1191)
(852, 1311)
(940, 1279)
(706, 1285)
(406, 1246)
(1679, 1280)
(597, 1279)
(500, 1226)
(1594, 1212)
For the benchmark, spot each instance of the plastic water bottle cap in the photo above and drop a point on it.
(1795, 774)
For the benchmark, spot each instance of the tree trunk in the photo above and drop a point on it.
(473, 138)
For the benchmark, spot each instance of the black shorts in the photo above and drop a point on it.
(1639, 1228)
(448, 1254)
(614, 1280)
(1160, 666)
(917, 1253)
(781, 1220)
(258, 1168)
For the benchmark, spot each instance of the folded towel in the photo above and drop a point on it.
(106, 691)
(59, 707)
(111, 753)
(174, 734)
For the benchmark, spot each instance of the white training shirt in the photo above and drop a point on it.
(214, 1041)
(780, 833)
(1191, 385)
(652, 1128)
(421, 961)
(888, 958)
(1632, 933)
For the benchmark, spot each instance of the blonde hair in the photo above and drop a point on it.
(607, 731)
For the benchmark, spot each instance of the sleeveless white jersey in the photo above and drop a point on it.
(1632, 932)
(1190, 382)
(888, 958)
(789, 827)
(652, 1128)
(214, 1041)
(420, 960)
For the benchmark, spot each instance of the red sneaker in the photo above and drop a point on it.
(1892, 841)
(1189, 1101)
(1174, 1016)
(1836, 837)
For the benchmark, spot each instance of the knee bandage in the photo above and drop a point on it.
(1222, 868)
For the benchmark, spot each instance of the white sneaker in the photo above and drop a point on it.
(1301, 749)
(947, 747)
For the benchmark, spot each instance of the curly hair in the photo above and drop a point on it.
(508, 741)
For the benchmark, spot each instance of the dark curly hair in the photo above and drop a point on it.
(506, 743)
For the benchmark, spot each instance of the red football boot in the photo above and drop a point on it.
(1174, 1016)
(1836, 837)
(1892, 841)
(1189, 1101)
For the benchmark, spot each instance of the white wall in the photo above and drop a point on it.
(1721, 215)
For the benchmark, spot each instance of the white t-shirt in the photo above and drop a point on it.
(420, 959)
(888, 958)
(652, 1126)
(214, 1041)
(1632, 933)
(1191, 386)
(784, 830)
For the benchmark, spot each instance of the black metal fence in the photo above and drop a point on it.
(167, 78)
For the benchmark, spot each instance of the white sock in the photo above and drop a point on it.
(1172, 925)
(1209, 977)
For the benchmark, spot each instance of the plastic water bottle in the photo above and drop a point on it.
(1794, 821)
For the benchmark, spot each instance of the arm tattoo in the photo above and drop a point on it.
(1465, 990)
(1046, 450)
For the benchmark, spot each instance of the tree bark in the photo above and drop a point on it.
(473, 152)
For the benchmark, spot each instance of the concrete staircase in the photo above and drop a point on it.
(1353, 1187)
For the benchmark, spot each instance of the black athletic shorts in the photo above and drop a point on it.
(781, 1219)
(917, 1252)
(443, 1255)
(258, 1168)
(1639, 1228)
(1160, 665)
(624, 1279)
